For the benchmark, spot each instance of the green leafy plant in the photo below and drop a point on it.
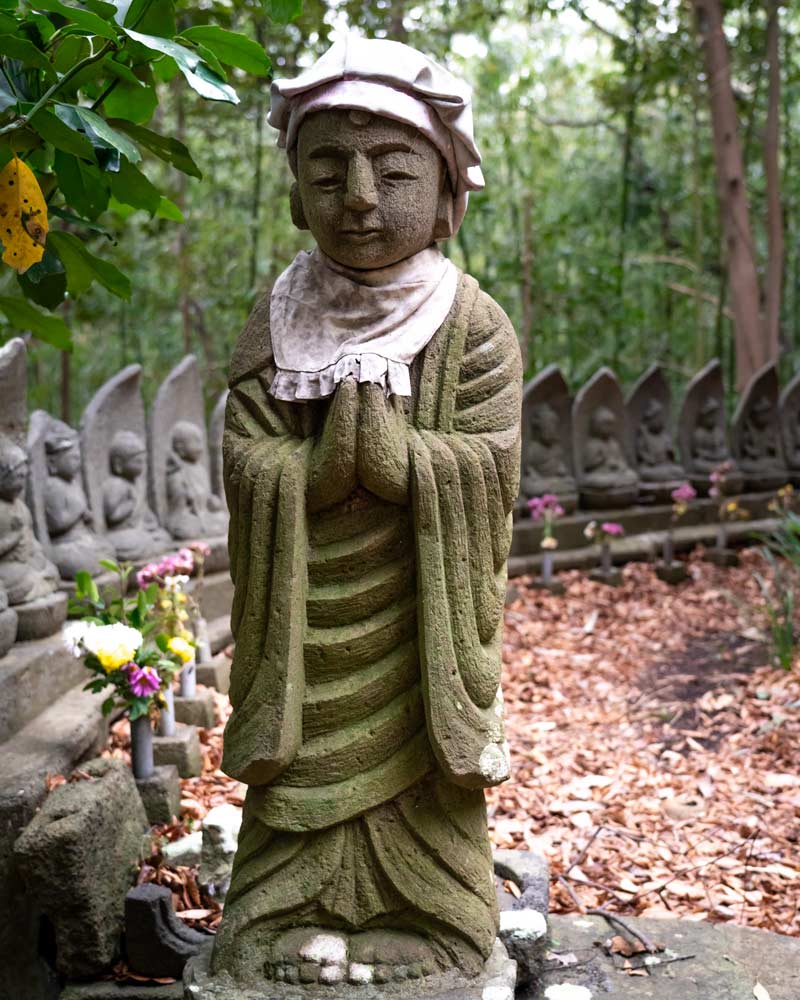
(778, 610)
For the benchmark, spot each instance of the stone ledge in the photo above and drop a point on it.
(120, 991)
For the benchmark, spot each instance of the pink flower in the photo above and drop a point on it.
(144, 681)
(545, 506)
(146, 575)
(201, 548)
(184, 560)
(684, 493)
(612, 529)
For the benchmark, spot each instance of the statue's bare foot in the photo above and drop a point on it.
(384, 956)
(309, 955)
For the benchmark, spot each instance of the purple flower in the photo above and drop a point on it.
(201, 548)
(144, 681)
(612, 529)
(146, 575)
(184, 560)
(545, 506)
(684, 493)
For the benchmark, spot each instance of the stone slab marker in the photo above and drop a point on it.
(703, 437)
(789, 415)
(651, 445)
(115, 466)
(216, 429)
(757, 439)
(547, 459)
(371, 459)
(180, 477)
(600, 436)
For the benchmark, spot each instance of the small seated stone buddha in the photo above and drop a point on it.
(29, 578)
(544, 465)
(760, 453)
(709, 448)
(74, 545)
(193, 511)
(607, 479)
(132, 527)
(659, 472)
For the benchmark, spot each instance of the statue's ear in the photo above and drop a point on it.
(296, 205)
(443, 228)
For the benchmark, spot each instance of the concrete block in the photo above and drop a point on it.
(156, 941)
(216, 674)
(161, 794)
(182, 750)
(199, 711)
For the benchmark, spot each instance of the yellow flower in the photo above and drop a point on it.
(113, 645)
(181, 648)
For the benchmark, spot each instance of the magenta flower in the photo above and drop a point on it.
(545, 506)
(184, 560)
(146, 575)
(684, 493)
(144, 681)
(201, 548)
(612, 529)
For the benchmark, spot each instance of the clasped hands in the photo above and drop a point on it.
(364, 442)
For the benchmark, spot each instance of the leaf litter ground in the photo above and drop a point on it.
(655, 753)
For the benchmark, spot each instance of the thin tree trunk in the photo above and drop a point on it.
(697, 213)
(182, 243)
(751, 348)
(772, 170)
(66, 386)
(526, 284)
(258, 156)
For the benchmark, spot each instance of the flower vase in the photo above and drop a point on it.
(722, 538)
(142, 747)
(166, 720)
(669, 548)
(606, 572)
(547, 568)
(605, 558)
(188, 679)
(671, 570)
(202, 642)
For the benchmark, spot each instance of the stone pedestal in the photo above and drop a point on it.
(216, 674)
(199, 711)
(610, 577)
(8, 630)
(182, 750)
(551, 586)
(41, 618)
(674, 572)
(722, 557)
(497, 982)
(161, 794)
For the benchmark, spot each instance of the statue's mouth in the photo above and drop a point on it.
(361, 235)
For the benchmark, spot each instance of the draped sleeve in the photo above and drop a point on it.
(266, 451)
(465, 452)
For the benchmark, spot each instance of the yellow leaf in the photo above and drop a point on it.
(760, 993)
(23, 216)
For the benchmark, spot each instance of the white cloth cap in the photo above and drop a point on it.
(395, 81)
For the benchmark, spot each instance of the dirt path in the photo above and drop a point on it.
(656, 754)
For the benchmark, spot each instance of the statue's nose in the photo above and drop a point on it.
(361, 195)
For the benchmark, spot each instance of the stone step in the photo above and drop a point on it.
(32, 676)
(71, 729)
(215, 595)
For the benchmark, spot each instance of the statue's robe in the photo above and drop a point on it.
(367, 716)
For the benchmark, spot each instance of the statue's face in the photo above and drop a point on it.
(369, 186)
(187, 442)
(760, 414)
(603, 423)
(13, 473)
(708, 417)
(654, 418)
(545, 424)
(129, 465)
(65, 463)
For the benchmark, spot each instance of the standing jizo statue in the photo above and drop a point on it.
(371, 458)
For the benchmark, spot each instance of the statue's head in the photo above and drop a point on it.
(62, 450)
(187, 441)
(13, 469)
(603, 423)
(127, 456)
(379, 138)
(653, 416)
(761, 413)
(708, 417)
(544, 424)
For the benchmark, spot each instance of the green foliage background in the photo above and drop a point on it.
(579, 242)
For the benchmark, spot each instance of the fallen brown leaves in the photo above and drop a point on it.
(655, 753)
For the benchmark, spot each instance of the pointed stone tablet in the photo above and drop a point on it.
(651, 446)
(757, 442)
(547, 439)
(115, 460)
(599, 433)
(14, 390)
(703, 440)
(216, 428)
(789, 415)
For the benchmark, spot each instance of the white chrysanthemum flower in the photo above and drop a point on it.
(113, 645)
(74, 635)
(175, 584)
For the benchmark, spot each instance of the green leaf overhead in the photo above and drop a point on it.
(166, 148)
(26, 52)
(198, 75)
(53, 130)
(283, 11)
(231, 48)
(83, 185)
(26, 319)
(83, 267)
(109, 134)
(131, 187)
(84, 19)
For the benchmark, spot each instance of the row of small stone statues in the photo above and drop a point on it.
(119, 488)
(602, 451)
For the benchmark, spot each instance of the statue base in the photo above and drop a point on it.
(596, 499)
(8, 630)
(767, 480)
(734, 484)
(41, 618)
(654, 491)
(497, 981)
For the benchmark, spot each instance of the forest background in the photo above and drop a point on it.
(601, 230)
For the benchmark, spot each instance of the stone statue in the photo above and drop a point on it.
(605, 479)
(131, 525)
(703, 433)
(61, 515)
(193, 511)
(180, 466)
(546, 439)
(756, 433)
(115, 468)
(649, 409)
(789, 411)
(28, 577)
(216, 430)
(371, 459)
